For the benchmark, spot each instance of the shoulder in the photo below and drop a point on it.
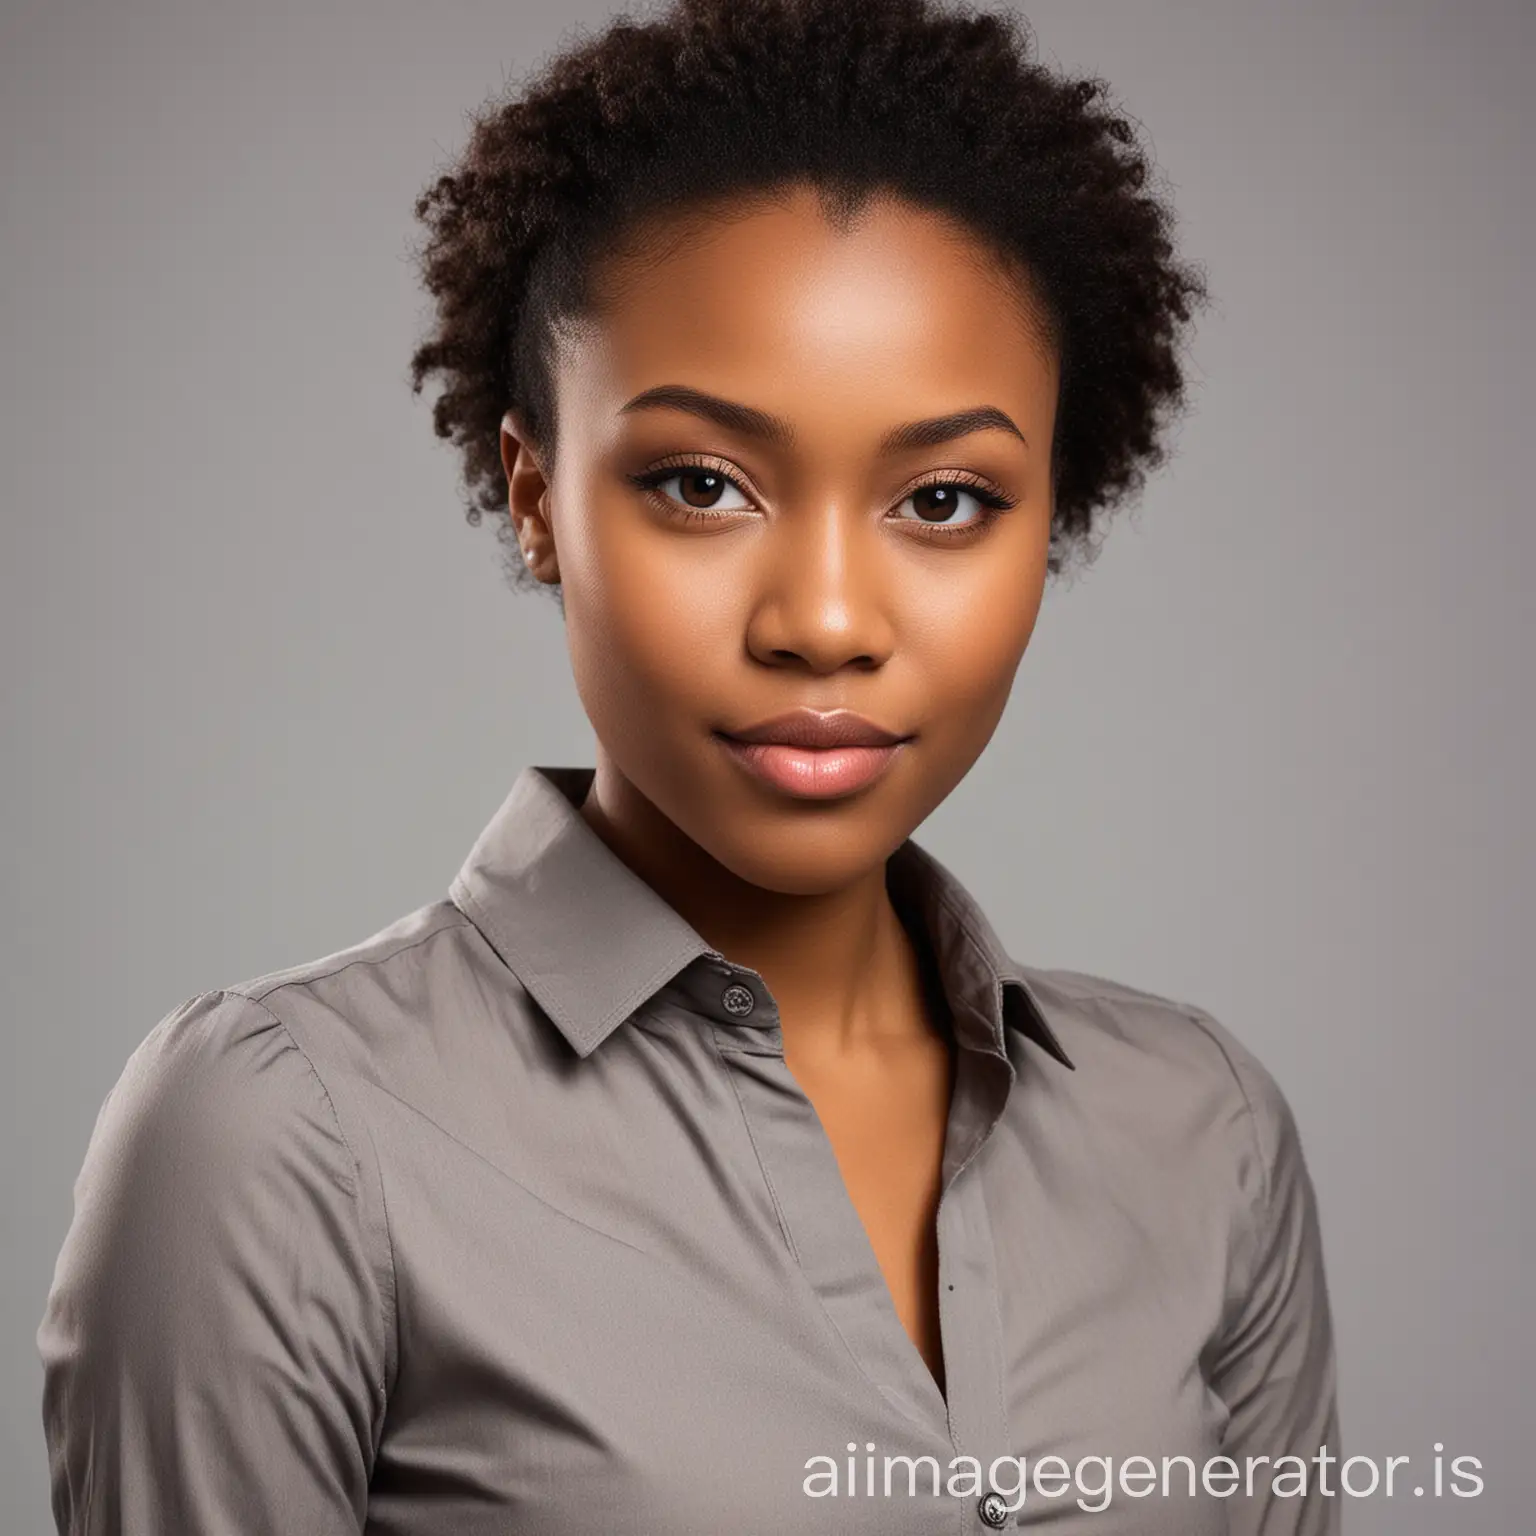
(368, 1012)
(407, 952)
(254, 1086)
(226, 1273)
(421, 1022)
(218, 1145)
(216, 1094)
(1163, 1058)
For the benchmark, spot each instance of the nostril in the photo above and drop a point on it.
(788, 658)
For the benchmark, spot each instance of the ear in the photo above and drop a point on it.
(528, 499)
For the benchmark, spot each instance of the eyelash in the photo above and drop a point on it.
(993, 502)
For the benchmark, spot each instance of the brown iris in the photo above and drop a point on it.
(942, 501)
(705, 482)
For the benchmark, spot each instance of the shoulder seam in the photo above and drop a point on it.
(1098, 994)
(458, 920)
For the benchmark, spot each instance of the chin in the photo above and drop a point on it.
(808, 852)
(807, 877)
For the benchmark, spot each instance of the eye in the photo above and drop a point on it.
(941, 505)
(699, 487)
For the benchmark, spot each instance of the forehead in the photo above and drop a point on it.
(901, 306)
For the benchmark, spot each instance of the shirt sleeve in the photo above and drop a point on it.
(1274, 1367)
(213, 1343)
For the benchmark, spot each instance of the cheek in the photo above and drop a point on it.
(965, 638)
(648, 621)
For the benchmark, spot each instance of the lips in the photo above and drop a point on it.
(814, 754)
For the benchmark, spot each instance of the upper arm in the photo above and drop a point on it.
(1274, 1366)
(214, 1343)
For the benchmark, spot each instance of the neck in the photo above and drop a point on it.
(840, 964)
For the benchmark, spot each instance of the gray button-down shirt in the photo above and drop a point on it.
(511, 1219)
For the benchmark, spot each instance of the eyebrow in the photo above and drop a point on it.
(751, 422)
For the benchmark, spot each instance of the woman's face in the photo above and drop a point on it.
(788, 548)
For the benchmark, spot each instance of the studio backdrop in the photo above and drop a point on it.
(1272, 752)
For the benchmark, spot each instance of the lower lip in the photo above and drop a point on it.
(813, 773)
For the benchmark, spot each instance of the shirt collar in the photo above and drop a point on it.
(591, 941)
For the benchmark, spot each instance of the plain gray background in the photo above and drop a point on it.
(1271, 754)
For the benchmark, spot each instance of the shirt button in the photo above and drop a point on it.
(994, 1510)
(738, 1000)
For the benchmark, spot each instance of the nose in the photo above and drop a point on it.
(820, 598)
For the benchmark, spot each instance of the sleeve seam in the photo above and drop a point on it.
(1262, 1221)
(389, 1322)
(354, 1174)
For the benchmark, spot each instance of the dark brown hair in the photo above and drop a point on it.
(718, 99)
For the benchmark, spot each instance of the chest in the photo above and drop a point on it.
(669, 1312)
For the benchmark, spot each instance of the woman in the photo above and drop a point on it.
(703, 1162)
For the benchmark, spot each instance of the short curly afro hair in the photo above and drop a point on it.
(721, 99)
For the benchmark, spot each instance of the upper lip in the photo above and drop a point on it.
(818, 728)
